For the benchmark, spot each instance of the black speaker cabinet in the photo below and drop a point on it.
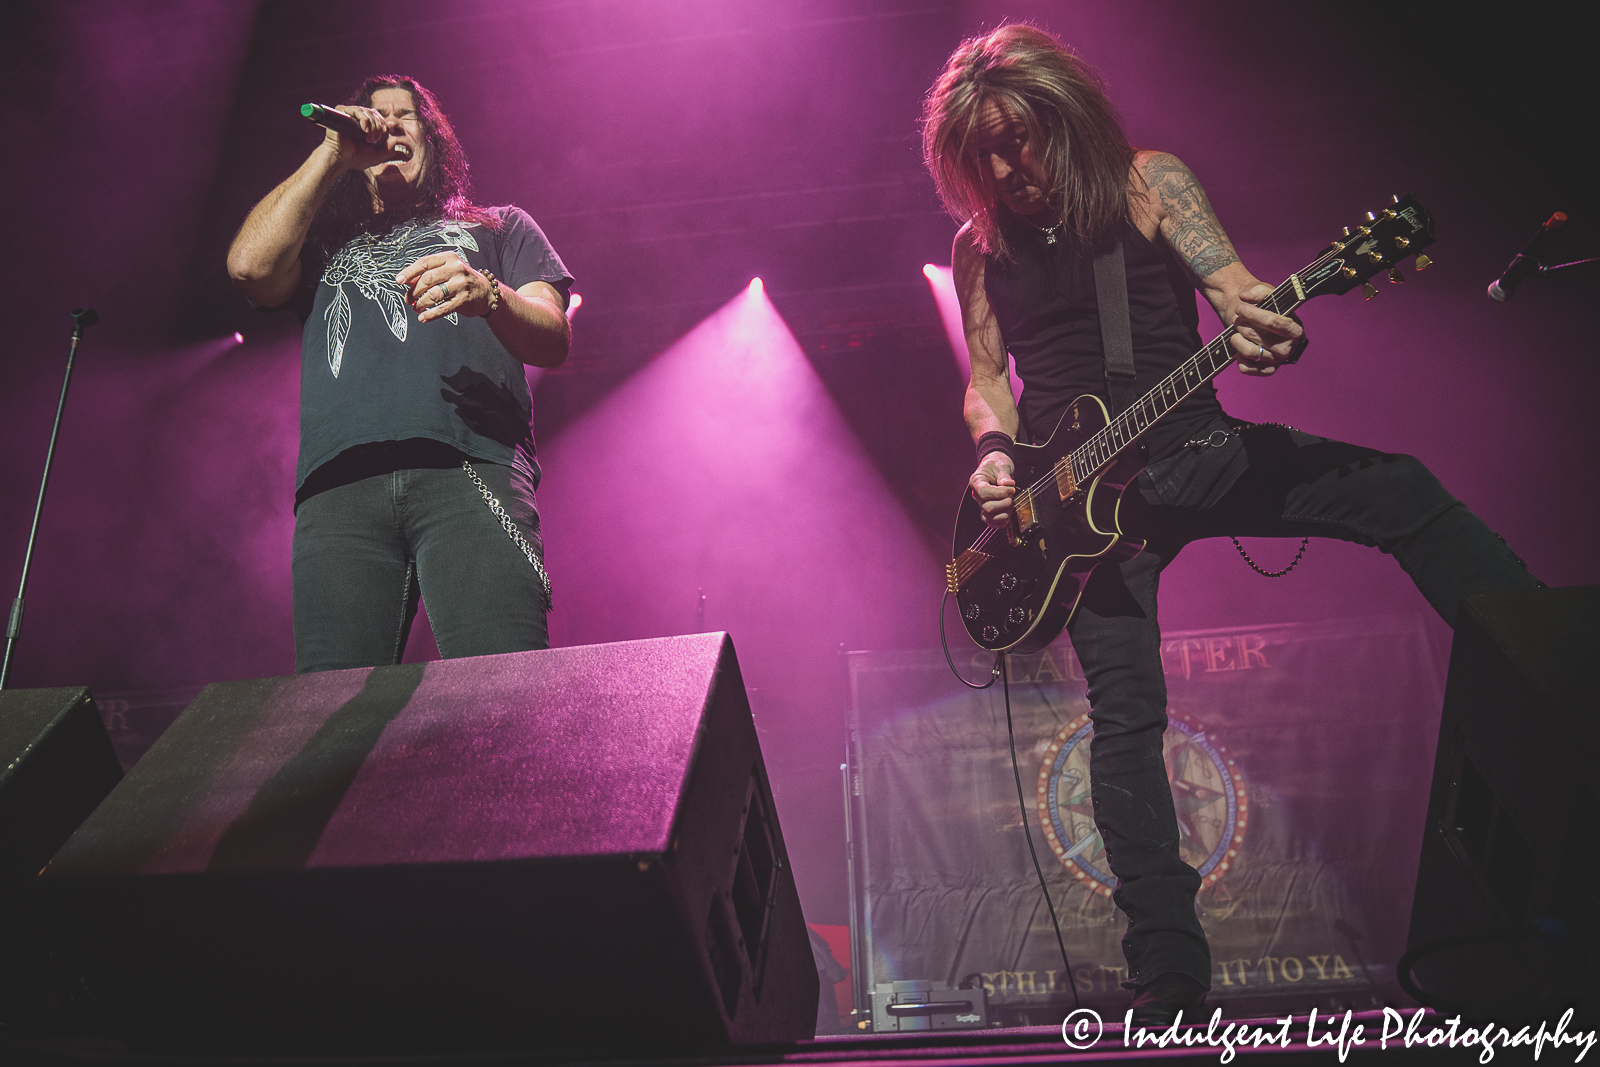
(1509, 847)
(56, 765)
(565, 847)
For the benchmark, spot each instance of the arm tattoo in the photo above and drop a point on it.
(1191, 226)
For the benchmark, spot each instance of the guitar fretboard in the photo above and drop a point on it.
(1091, 457)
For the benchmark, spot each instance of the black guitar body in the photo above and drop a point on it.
(1017, 587)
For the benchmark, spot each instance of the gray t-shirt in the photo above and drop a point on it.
(371, 372)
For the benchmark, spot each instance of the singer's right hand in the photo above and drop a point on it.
(360, 154)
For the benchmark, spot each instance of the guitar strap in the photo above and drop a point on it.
(1116, 333)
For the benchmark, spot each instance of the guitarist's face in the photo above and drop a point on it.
(1005, 156)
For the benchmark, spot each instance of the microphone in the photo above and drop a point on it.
(1527, 261)
(337, 121)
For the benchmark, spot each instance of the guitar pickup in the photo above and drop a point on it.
(1066, 484)
(1026, 518)
(958, 570)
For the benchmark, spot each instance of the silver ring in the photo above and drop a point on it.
(1263, 351)
(443, 287)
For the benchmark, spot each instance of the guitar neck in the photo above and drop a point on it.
(1096, 453)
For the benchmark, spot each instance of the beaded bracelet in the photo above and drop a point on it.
(494, 295)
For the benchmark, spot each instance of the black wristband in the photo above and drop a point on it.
(995, 441)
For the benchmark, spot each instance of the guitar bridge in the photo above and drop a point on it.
(958, 570)
(1066, 484)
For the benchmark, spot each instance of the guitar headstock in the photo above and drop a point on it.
(1387, 237)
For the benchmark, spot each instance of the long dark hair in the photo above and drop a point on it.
(444, 192)
(1072, 125)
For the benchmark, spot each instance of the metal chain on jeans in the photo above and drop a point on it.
(511, 529)
(1218, 438)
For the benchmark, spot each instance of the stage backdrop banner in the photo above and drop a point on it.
(1299, 756)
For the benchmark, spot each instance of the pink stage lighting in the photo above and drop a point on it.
(238, 338)
(723, 467)
(757, 286)
(943, 286)
(573, 304)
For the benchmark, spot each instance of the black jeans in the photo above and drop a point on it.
(365, 550)
(1256, 481)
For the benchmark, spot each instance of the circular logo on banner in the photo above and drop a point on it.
(1207, 791)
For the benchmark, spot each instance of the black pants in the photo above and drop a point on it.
(1258, 481)
(366, 550)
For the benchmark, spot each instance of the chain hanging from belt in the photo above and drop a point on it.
(1218, 438)
(512, 530)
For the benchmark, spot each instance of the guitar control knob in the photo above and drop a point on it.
(972, 612)
(1018, 616)
(991, 634)
(1008, 582)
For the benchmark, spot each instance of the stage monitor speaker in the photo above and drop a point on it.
(533, 850)
(1508, 886)
(56, 765)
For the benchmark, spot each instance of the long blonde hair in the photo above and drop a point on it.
(1072, 125)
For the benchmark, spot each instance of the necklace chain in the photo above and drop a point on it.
(1051, 233)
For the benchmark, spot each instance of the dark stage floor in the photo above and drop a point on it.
(1367, 1037)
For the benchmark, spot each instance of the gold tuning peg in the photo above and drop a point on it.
(1395, 277)
(1394, 198)
(1371, 217)
(1423, 262)
(1347, 231)
(1368, 291)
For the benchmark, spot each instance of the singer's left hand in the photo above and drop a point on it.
(440, 284)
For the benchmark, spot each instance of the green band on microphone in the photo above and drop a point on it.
(309, 110)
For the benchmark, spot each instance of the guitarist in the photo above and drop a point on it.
(1028, 152)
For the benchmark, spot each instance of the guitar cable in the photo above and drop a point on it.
(994, 672)
(1027, 831)
(999, 671)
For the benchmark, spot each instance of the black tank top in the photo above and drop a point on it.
(1045, 303)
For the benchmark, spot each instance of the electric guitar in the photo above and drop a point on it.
(1017, 586)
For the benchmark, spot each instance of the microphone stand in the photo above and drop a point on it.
(82, 319)
(1563, 266)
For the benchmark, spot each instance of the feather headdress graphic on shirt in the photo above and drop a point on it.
(370, 262)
